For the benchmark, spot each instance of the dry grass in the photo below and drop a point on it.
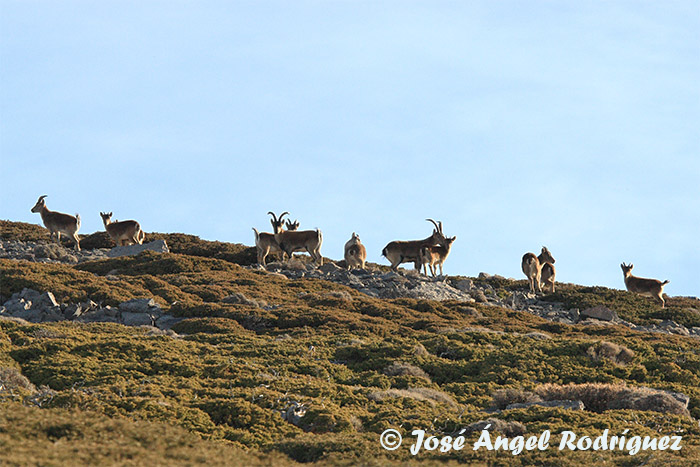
(504, 397)
(432, 396)
(618, 354)
(403, 369)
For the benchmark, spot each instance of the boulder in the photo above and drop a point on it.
(139, 305)
(159, 246)
(136, 319)
(600, 312)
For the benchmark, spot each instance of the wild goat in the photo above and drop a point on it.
(649, 287)
(432, 256)
(300, 240)
(355, 252)
(402, 251)
(532, 267)
(58, 223)
(123, 232)
(266, 243)
(548, 275)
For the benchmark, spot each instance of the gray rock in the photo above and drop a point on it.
(136, 319)
(17, 305)
(138, 305)
(102, 315)
(330, 268)
(465, 285)
(166, 322)
(564, 404)
(73, 311)
(159, 246)
(600, 312)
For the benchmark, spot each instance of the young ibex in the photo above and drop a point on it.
(432, 256)
(123, 232)
(355, 253)
(401, 251)
(532, 267)
(266, 243)
(58, 223)
(649, 287)
(548, 276)
(300, 240)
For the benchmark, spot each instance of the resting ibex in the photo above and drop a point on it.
(432, 256)
(300, 240)
(532, 267)
(649, 287)
(266, 243)
(401, 251)
(58, 223)
(123, 232)
(355, 252)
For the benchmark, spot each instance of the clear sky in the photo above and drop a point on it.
(570, 124)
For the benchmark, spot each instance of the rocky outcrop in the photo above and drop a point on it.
(159, 246)
(41, 307)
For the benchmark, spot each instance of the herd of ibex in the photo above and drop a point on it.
(424, 254)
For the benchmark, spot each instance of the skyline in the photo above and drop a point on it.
(570, 125)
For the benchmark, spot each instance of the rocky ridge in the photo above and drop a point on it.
(37, 306)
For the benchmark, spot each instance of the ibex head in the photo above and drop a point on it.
(277, 222)
(545, 256)
(292, 226)
(626, 268)
(438, 236)
(39, 204)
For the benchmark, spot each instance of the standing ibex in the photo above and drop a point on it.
(432, 256)
(355, 252)
(532, 267)
(401, 251)
(649, 287)
(300, 240)
(58, 223)
(266, 243)
(123, 232)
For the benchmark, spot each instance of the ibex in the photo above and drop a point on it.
(532, 267)
(548, 275)
(401, 251)
(266, 243)
(58, 223)
(355, 252)
(649, 287)
(123, 232)
(300, 240)
(432, 256)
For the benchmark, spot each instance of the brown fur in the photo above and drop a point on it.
(432, 256)
(649, 287)
(532, 267)
(58, 223)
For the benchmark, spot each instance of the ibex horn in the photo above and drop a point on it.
(439, 228)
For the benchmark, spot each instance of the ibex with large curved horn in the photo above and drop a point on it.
(300, 240)
(123, 232)
(58, 223)
(400, 251)
(266, 243)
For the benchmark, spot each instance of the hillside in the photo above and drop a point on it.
(299, 365)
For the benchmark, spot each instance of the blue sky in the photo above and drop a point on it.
(574, 125)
